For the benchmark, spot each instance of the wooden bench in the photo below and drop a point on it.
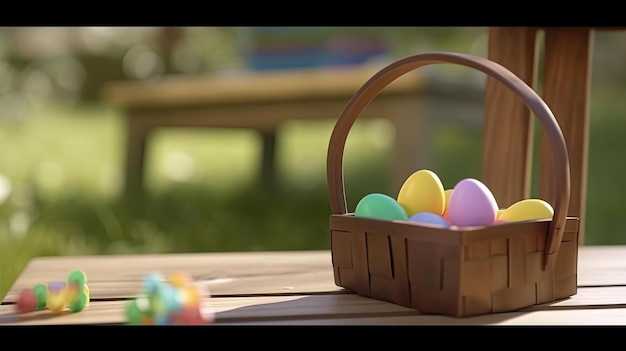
(261, 101)
(566, 78)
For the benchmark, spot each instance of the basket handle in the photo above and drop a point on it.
(560, 160)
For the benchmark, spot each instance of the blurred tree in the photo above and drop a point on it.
(169, 38)
(71, 63)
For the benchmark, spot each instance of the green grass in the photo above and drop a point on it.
(64, 166)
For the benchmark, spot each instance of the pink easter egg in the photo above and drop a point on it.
(472, 204)
(446, 215)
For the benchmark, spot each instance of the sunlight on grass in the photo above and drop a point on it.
(5, 188)
(219, 159)
(60, 143)
(457, 153)
(304, 149)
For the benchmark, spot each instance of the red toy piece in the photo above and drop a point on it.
(26, 301)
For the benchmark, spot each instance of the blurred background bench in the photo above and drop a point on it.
(261, 101)
(294, 73)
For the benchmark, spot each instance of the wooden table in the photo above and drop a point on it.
(297, 288)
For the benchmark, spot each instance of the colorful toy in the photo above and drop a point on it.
(175, 301)
(56, 296)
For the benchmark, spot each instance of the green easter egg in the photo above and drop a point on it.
(380, 206)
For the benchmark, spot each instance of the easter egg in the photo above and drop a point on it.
(472, 204)
(380, 206)
(447, 195)
(446, 216)
(527, 209)
(429, 218)
(422, 192)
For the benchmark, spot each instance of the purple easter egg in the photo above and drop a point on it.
(472, 204)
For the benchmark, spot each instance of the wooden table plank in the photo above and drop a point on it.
(297, 287)
(228, 309)
(348, 309)
(588, 317)
(601, 265)
(228, 273)
(266, 272)
(604, 297)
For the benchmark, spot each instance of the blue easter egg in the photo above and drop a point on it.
(429, 218)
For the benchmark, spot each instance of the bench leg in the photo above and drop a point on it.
(268, 162)
(135, 152)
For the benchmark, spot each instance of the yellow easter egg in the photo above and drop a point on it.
(422, 192)
(525, 210)
(500, 212)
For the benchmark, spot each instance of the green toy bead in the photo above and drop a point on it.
(41, 292)
(133, 313)
(78, 303)
(78, 279)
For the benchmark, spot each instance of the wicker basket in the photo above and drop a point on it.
(457, 271)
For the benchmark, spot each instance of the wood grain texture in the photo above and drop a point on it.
(602, 305)
(585, 317)
(246, 273)
(121, 276)
(297, 287)
(228, 310)
(566, 88)
(507, 146)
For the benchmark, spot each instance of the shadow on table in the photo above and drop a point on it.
(40, 316)
(344, 309)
